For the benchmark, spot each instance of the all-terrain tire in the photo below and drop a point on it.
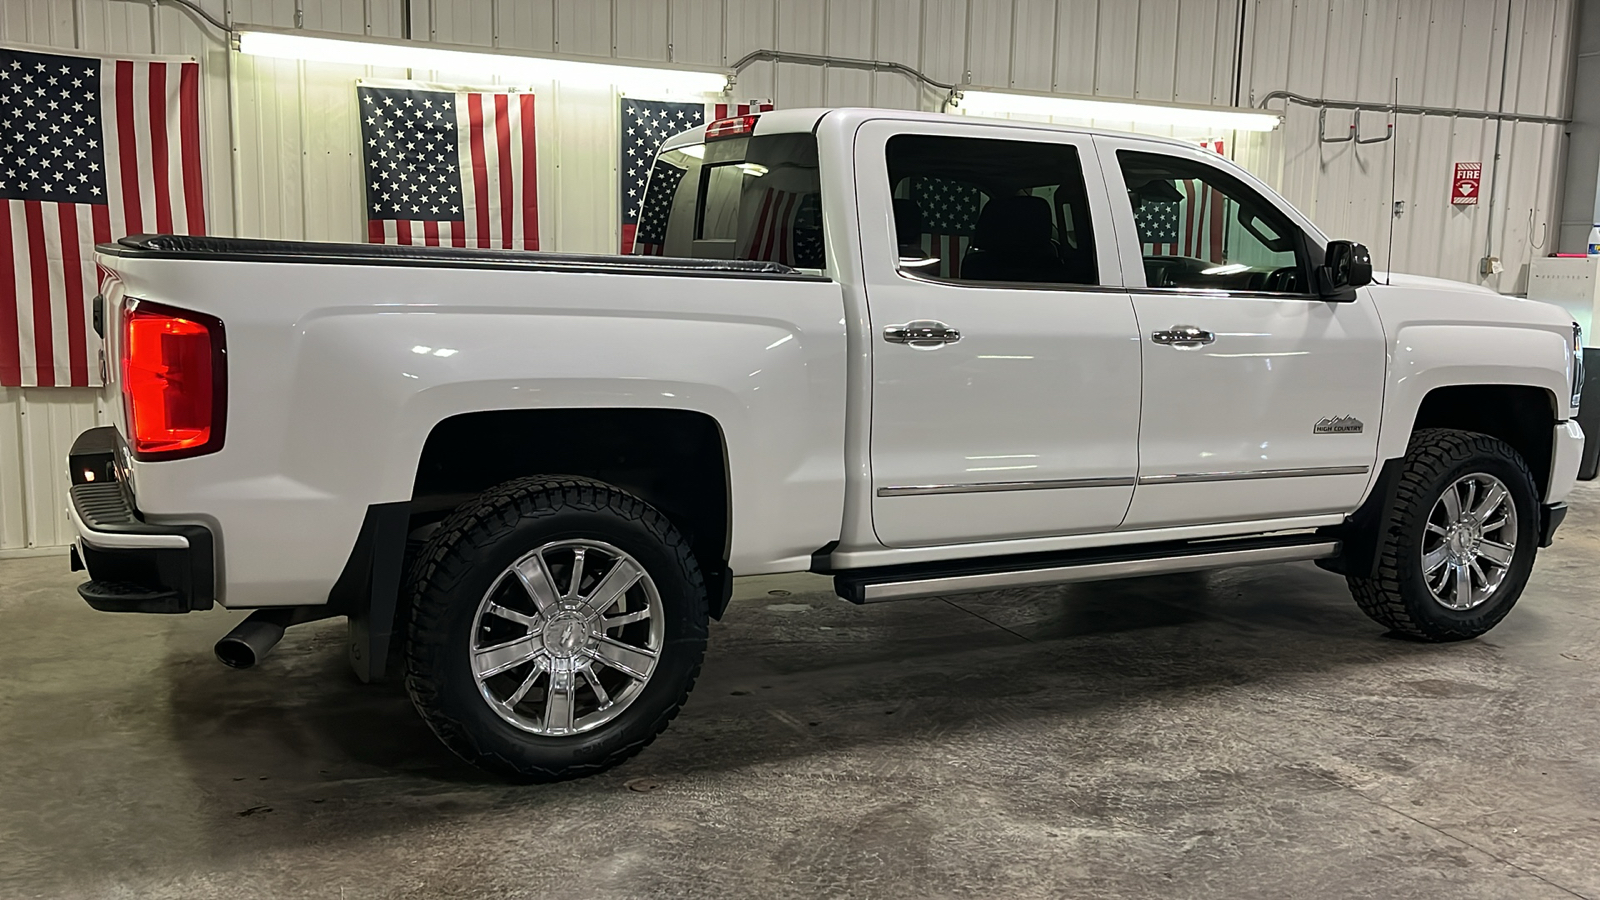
(462, 562)
(1398, 597)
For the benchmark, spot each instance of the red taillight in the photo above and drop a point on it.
(726, 128)
(174, 381)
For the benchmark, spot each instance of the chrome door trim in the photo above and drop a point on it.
(1189, 562)
(1196, 477)
(910, 275)
(1225, 293)
(917, 490)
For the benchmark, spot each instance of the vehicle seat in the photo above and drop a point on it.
(1013, 243)
(908, 226)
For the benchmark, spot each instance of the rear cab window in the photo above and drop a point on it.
(755, 197)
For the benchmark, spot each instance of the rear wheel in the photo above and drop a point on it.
(557, 626)
(1458, 546)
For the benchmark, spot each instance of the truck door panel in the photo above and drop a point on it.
(1005, 355)
(1260, 399)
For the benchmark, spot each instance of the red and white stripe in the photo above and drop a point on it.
(639, 248)
(772, 239)
(150, 123)
(729, 110)
(948, 249)
(499, 187)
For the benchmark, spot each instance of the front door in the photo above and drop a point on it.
(1005, 354)
(1261, 400)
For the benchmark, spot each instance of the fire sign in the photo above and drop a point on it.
(1464, 192)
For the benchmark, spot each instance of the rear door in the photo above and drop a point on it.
(1005, 352)
(1261, 399)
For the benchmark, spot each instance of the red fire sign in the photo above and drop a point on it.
(1464, 192)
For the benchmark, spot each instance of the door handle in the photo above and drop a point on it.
(923, 334)
(1185, 337)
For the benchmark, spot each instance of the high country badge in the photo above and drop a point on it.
(1338, 425)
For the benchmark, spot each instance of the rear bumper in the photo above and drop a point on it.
(134, 565)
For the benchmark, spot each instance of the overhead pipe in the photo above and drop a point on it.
(1315, 102)
(841, 62)
(199, 11)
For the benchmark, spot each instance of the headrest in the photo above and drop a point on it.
(1013, 224)
(907, 221)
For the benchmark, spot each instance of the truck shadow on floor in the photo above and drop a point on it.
(811, 675)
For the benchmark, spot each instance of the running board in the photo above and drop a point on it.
(1005, 572)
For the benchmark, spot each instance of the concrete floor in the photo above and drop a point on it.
(1246, 733)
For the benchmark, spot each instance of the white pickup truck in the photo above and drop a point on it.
(923, 354)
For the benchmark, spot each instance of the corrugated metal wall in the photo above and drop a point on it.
(281, 142)
(1448, 53)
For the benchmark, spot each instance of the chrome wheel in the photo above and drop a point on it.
(567, 637)
(1470, 540)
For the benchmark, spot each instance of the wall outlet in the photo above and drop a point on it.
(1490, 265)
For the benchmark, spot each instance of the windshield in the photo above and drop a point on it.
(756, 198)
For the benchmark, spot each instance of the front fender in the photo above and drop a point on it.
(1425, 357)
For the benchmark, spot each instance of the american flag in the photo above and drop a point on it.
(90, 150)
(648, 235)
(449, 168)
(949, 219)
(645, 125)
(1157, 222)
(788, 229)
(1193, 227)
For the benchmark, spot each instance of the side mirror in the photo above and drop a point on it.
(1346, 266)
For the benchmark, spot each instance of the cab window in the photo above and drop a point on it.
(755, 198)
(1199, 227)
(976, 209)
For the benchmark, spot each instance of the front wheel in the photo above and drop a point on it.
(1457, 547)
(558, 625)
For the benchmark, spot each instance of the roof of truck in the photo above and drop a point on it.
(783, 121)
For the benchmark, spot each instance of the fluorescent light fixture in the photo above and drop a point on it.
(989, 103)
(507, 66)
(1230, 269)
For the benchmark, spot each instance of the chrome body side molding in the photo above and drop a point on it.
(1194, 477)
(915, 490)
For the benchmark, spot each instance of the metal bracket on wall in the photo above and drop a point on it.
(1388, 131)
(1322, 128)
(1355, 130)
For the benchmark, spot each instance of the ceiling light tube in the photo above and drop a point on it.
(990, 103)
(511, 67)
